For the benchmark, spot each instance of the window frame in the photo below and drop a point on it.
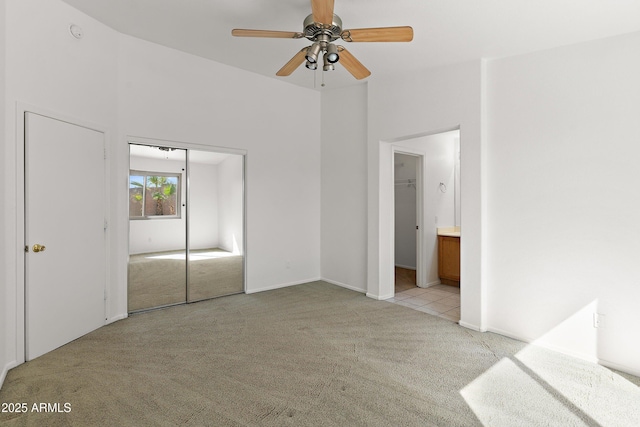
(145, 175)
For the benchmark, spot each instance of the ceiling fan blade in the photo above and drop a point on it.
(383, 34)
(352, 65)
(322, 11)
(293, 63)
(266, 33)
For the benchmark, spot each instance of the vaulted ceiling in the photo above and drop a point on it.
(445, 31)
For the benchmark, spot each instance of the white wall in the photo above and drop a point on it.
(47, 68)
(173, 96)
(403, 107)
(563, 203)
(344, 187)
(405, 202)
(203, 205)
(230, 203)
(441, 201)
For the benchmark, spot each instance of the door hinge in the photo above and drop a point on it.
(106, 225)
(26, 248)
(105, 294)
(417, 227)
(104, 150)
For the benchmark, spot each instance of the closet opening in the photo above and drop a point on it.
(406, 227)
(186, 225)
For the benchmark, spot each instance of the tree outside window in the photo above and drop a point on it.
(154, 195)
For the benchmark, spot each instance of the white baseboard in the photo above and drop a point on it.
(619, 367)
(406, 267)
(428, 285)
(344, 285)
(557, 349)
(116, 318)
(509, 334)
(473, 327)
(532, 341)
(281, 285)
(379, 297)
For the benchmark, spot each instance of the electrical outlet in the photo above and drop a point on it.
(598, 320)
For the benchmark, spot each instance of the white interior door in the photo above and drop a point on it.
(65, 214)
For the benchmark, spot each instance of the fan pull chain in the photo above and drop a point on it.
(315, 85)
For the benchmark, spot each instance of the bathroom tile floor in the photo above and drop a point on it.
(438, 300)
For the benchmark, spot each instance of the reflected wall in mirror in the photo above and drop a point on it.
(157, 227)
(215, 224)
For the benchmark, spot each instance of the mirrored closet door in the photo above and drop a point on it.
(186, 226)
(215, 225)
(157, 227)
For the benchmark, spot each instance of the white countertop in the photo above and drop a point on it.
(449, 231)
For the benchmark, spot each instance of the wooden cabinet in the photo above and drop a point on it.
(449, 260)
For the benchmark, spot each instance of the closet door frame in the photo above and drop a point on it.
(201, 147)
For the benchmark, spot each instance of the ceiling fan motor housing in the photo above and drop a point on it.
(315, 31)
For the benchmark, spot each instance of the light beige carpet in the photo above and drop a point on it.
(155, 282)
(312, 355)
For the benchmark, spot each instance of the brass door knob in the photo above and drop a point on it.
(38, 248)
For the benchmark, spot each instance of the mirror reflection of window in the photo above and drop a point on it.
(136, 196)
(154, 195)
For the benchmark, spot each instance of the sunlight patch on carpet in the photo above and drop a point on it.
(536, 386)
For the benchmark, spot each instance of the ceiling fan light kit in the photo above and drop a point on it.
(332, 54)
(328, 66)
(323, 27)
(313, 51)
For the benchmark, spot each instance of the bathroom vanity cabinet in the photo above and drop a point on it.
(449, 260)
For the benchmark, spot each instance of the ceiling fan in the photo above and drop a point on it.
(323, 27)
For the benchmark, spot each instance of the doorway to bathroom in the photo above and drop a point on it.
(426, 219)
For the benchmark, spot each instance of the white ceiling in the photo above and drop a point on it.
(445, 31)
